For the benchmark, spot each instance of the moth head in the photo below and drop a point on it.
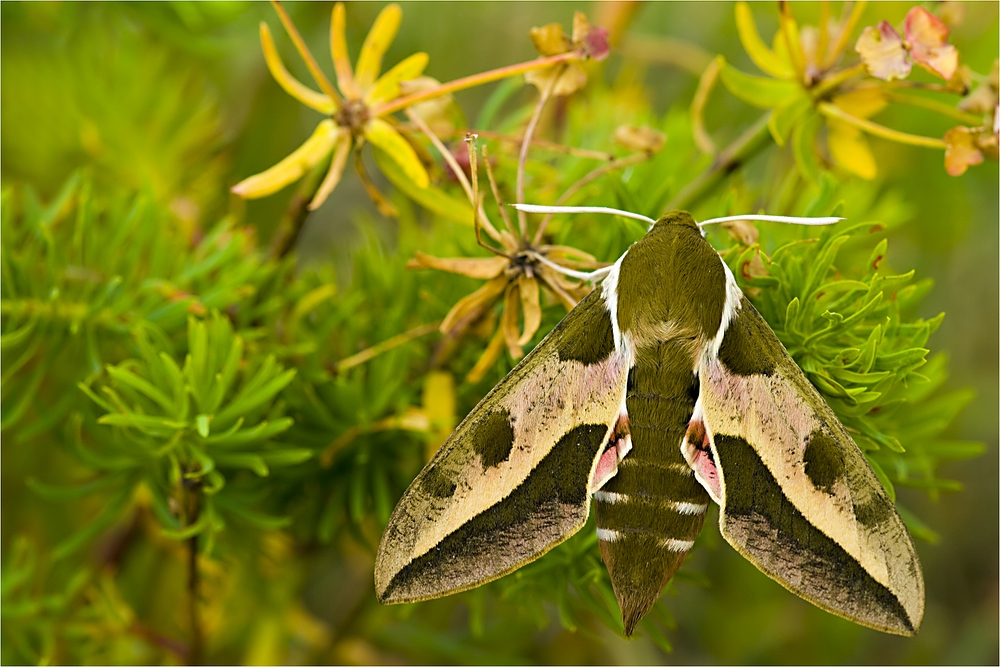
(668, 221)
(676, 218)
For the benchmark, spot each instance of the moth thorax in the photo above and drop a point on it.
(671, 286)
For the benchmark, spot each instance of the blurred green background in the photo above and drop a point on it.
(173, 99)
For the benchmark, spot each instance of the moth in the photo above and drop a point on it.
(662, 390)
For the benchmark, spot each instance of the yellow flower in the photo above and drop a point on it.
(515, 278)
(351, 121)
(807, 89)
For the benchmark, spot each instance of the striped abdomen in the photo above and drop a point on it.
(650, 512)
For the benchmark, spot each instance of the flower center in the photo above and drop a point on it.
(352, 115)
(524, 262)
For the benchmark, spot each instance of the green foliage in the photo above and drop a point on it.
(204, 438)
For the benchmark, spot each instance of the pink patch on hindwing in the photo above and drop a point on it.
(701, 459)
(618, 445)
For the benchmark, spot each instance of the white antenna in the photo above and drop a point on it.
(535, 208)
(794, 220)
(589, 276)
(790, 219)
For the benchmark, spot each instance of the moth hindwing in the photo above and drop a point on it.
(658, 392)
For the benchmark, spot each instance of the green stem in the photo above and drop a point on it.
(474, 80)
(522, 158)
(924, 85)
(705, 85)
(940, 107)
(734, 156)
(386, 345)
(459, 174)
(291, 223)
(535, 142)
(833, 111)
(196, 652)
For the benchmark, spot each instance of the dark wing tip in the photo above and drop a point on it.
(905, 626)
(388, 593)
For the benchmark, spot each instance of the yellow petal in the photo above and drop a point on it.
(639, 138)
(550, 40)
(552, 281)
(862, 102)
(790, 32)
(292, 86)
(571, 78)
(440, 113)
(567, 252)
(413, 419)
(433, 199)
(961, 151)
(387, 86)
(383, 135)
(336, 170)
(338, 52)
(766, 59)
(484, 268)
(580, 27)
(378, 40)
(511, 308)
(742, 231)
(439, 404)
(438, 400)
(530, 307)
(292, 167)
(473, 305)
(850, 148)
(490, 356)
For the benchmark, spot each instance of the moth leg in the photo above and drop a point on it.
(617, 446)
(697, 450)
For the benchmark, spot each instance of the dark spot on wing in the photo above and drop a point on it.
(824, 460)
(749, 347)
(437, 484)
(875, 511)
(492, 437)
(586, 335)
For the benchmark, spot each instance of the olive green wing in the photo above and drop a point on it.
(798, 498)
(515, 477)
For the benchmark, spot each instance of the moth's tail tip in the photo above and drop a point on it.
(632, 614)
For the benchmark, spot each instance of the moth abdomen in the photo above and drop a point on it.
(650, 513)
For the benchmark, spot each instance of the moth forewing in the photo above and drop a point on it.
(515, 477)
(798, 498)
